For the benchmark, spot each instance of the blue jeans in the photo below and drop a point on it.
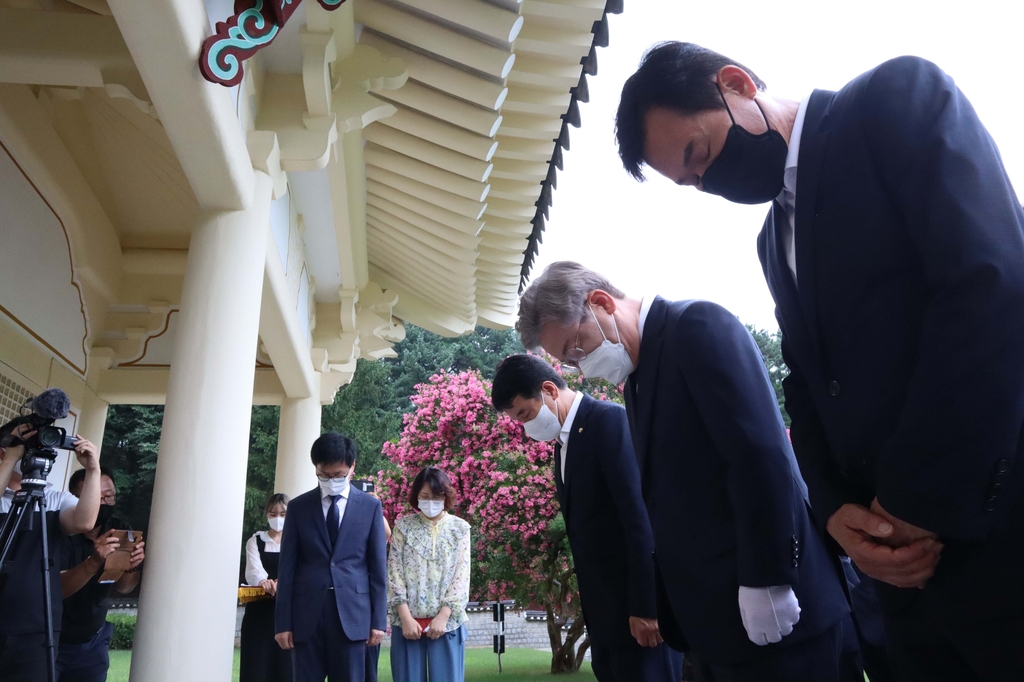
(438, 660)
(88, 661)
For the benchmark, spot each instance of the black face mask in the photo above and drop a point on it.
(105, 514)
(750, 169)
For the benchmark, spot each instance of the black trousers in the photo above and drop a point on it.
(956, 650)
(633, 662)
(23, 657)
(262, 660)
(329, 653)
(819, 659)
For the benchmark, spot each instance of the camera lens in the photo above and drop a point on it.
(49, 437)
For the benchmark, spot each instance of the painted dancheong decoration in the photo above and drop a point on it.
(253, 27)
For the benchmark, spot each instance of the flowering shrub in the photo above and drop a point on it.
(504, 481)
(506, 491)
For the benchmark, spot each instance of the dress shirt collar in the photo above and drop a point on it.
(793, 155)
(645, 308)
(563, 435)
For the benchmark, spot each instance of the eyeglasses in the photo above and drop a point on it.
(576, 355)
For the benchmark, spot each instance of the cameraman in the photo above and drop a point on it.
(23, 654)
(84, 654)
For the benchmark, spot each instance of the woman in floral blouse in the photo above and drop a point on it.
(428, 585)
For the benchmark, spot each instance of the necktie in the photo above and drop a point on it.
(333, 520)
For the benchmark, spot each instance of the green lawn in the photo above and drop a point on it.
(481, 666)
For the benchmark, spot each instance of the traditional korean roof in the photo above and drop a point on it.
(460, 180)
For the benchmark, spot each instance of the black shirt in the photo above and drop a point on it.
(86, 610)
(21, 588)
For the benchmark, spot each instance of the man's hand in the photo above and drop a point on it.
(284, 640)
(87, 453)
(865, 537)
(376, 637)
(411, 629)
(903, 533)
(645, 631)
(105, 545)
(13, 453)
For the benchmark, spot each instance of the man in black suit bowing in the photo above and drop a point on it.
(745, 578)
(609, 533)
(332, 584)
(894, 250)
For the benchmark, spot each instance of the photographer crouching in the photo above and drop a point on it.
(84, 652)
(25, 654)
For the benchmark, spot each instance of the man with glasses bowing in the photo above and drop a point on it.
(743, 577)
(332, 584)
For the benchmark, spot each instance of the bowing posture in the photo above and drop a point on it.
(261, 659)
(744, 576)
(605, 518)
(894, 250)
(428, 584)
(331, 586)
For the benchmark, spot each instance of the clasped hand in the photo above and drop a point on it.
(885, 547)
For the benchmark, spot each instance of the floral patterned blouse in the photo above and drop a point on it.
(428, 568)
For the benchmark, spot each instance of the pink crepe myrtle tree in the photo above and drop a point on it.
(506, 491)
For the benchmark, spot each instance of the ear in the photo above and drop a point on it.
(599, 298)
(737, 81)
(550, 389)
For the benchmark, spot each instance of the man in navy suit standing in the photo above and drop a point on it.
(331, 589)
(894, 250)
(744, 577)
(605, 518)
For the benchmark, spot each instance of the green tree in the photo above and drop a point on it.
(262, 467)
(130, 444)
(770, 344)
(369, 412)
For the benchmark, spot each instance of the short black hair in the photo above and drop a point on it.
(439, 484)
(333, 448)
(673, 75)
(78, 478)
(521, 375)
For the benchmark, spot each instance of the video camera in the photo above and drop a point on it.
(41, 448)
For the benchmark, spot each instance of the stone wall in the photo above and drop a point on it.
(520, 633)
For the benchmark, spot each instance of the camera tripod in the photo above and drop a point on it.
(27, 500)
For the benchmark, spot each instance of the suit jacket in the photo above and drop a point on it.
(722, 487)
(356, 568)
(904, 337)
(605, 518)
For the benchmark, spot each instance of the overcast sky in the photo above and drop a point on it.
(673, 241)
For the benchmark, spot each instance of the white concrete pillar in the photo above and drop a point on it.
(186, 624)
(300, 426)
(92, 422)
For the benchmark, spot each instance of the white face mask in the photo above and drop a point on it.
(431, 508)
(334, 486)
(545, 425)
(276, 523)
(609, 361)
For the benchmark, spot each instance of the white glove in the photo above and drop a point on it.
(768, 613)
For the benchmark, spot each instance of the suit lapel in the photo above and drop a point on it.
(644, 381)
(780, 282)
(813, 142)
(559, 483)
(319, 520)
(351, 508)
(575, 435)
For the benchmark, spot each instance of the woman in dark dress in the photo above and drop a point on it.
(262, 660)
